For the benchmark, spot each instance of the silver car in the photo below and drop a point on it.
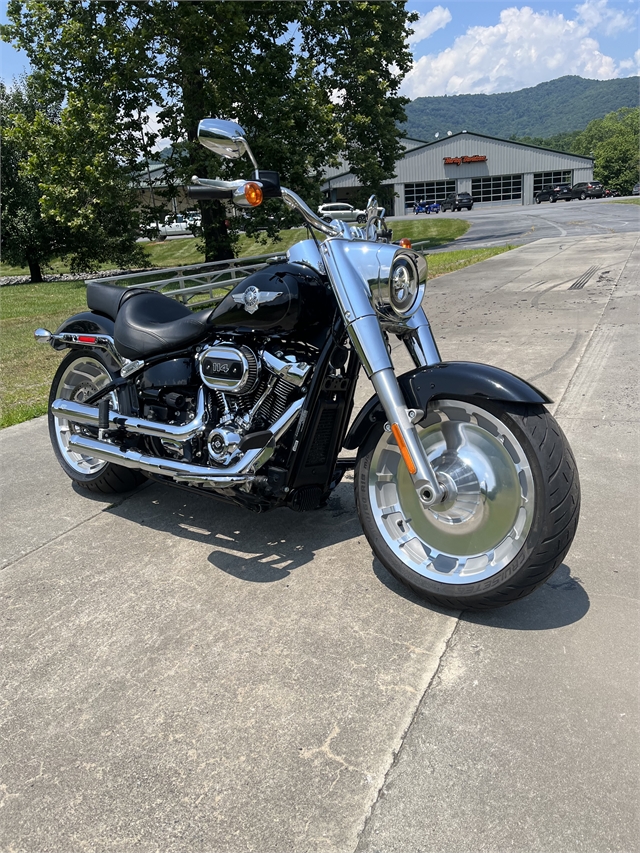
(342, 210)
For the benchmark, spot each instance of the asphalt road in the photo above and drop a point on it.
(519, 225)
(179, 675)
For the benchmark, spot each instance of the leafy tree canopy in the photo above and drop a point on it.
(309, 81)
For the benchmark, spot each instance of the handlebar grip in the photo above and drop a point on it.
(204, 193)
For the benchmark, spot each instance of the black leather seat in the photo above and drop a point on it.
(105, 298)
(149, 324)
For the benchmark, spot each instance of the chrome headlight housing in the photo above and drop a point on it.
(401, 290)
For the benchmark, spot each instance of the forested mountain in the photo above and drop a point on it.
(548, 109)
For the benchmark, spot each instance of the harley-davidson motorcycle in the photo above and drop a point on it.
(465, 486)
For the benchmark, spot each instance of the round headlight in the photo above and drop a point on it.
(406, 285)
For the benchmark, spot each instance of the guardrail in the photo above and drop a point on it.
(197, 285)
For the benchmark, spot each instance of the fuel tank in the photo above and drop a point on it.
(275, 300)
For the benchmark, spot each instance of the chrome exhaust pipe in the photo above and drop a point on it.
(184, 471)
(88, 415)
(237, 474)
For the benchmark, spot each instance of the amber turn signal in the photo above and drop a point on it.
(405, 243)
(404, 450)
(253, 193)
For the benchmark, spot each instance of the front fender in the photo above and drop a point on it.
(448, 379)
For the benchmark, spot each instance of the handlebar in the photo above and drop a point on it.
(205, 193)
(216, 189)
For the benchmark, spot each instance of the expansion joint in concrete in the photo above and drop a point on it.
(396, 755)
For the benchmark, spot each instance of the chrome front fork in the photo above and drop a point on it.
(367, 339)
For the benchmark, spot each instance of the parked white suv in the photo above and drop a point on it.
(341, 210)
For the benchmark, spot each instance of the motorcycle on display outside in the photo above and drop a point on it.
(465, 485)
(426, 207)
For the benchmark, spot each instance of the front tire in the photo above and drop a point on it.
(511, 515)
(79, 376)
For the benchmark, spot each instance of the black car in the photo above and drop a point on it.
(552, 192)
(587, 189)
(456, 201)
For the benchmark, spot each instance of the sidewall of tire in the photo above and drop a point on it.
(487, 592)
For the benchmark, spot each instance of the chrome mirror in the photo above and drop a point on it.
(224, 138)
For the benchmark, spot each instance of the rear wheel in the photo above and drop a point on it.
(78, 377)
(583, 196)
(537, 200)
(511, 511)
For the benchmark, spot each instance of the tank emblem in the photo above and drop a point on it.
(253, 298)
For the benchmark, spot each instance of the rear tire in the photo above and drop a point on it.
(512, 518)
(81, 374)
(583, 196)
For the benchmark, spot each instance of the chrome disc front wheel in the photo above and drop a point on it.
(483, 524)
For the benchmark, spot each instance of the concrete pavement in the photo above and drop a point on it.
(179, 675)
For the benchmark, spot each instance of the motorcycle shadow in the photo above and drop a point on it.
(258, 548)
(559, 602)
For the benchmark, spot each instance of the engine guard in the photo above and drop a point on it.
(448, 379)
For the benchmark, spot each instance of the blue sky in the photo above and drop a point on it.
(469, 46)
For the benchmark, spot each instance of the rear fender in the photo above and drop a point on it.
(89, 323)
(449, 379)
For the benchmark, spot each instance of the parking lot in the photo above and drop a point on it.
(522, 224)
(179, 675)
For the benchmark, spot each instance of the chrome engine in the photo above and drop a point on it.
(247, 393)
(199, 438)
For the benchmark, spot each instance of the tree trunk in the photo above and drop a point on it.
(35, 271)
(217, 244)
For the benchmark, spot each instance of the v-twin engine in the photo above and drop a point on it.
(248, 392)
(247, 402)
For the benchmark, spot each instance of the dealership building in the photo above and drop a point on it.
(494, 171)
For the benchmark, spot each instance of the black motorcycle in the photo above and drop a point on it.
(465, 485)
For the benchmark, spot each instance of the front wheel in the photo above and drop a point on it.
(361, 220)
(509, 517)
(78, 377)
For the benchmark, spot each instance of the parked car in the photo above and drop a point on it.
(636, 190)
(341, 210)
(587, 189)
(553, 192)
(179, 225)
(426, 207)
(456, 201)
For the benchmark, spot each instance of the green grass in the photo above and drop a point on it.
(27, 368)
(176, 253)
(624, 200)
(445, 262)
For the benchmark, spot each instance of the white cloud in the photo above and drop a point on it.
(428, 23)
(523, 49)
(596, 15)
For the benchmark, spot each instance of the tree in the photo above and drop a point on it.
(84, 189)
(26, 238)
(309, 81)
(614, 141)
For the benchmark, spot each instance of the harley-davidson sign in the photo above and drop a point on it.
(456, 161)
